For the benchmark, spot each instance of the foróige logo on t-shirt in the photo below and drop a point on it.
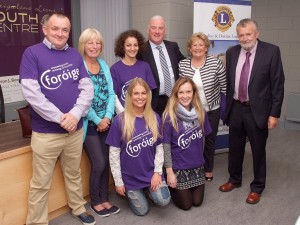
(185, 139)
(52, 79)
(134, 146)
(124, 90)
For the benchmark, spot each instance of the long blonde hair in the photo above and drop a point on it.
(129, 114)
(172, 105)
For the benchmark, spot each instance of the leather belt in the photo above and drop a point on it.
(242, 103)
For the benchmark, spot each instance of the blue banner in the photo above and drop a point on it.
(232, 2)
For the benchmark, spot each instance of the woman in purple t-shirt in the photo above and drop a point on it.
(129, 46)
(184, 125)
(136, 152)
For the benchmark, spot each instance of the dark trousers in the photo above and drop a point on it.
(187, 198)
(242, 124)
(98, 153)
(161, 104)
(209, 146)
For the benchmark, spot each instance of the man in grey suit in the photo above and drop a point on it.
(157, 33)
(255, 90)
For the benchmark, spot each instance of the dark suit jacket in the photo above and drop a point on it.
(266, 84)
(175, 56)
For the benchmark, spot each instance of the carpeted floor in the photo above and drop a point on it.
(279, 205)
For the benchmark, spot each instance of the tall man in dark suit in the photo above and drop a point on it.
(172, 54)
(252, 110)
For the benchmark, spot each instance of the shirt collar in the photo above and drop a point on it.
(153, 46)
(51, 46)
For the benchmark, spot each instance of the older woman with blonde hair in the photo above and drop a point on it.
(97, 121)
(136, 151)
(184, 126)
(208, 73)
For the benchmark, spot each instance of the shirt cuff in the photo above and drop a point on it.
(76, 112)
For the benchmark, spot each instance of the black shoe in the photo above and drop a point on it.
(102, 212)
(86, 218)
(113, 210)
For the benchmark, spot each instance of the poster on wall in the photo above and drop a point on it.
(218, 20)
(20, 27)
(11, 88)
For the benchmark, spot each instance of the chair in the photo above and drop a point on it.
(2, 110)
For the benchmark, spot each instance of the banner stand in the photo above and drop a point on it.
(218, 20)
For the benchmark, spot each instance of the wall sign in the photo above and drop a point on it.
(20, 27)
(11, 88)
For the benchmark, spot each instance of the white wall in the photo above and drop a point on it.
(110, 17)
(279, 23)
(177, 13)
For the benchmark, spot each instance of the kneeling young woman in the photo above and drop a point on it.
(136, 152)
(184, 126)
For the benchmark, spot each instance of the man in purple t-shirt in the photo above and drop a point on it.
(56, 86)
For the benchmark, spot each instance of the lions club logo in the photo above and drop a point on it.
(223, 18)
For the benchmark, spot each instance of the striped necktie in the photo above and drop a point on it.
(166, 73)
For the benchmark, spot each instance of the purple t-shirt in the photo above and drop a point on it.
(123, 74)
(58, 73)
(137, 155)
(186, 144)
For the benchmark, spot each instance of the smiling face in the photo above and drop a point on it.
(247, 35)
(93, 48)
(139, 97)
(157, 30)
(185, 95)
(57, 30)
(198, 48)
(131, 47)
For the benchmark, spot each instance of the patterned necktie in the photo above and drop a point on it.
(167, 77)
(243, 85)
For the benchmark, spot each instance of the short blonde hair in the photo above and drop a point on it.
(88, 34)
(196, 36)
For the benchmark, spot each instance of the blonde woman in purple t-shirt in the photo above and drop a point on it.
(184, 126)
(136, 151)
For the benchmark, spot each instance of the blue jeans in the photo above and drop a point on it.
(138, 202)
